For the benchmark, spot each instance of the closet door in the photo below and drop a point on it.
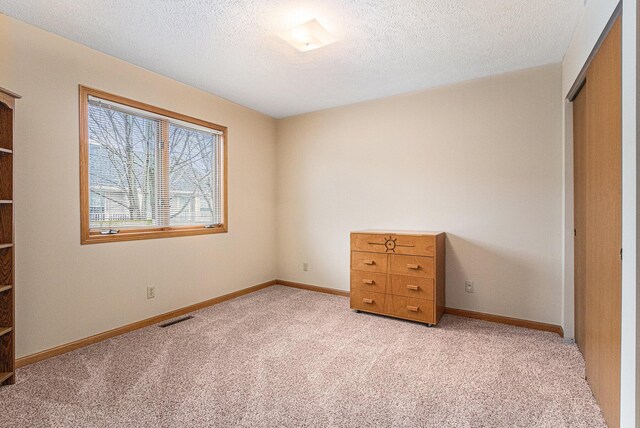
(604, 225)
(580, 214)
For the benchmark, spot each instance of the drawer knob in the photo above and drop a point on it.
(368, 262)
(412, 308)
(412, 287)
(367, 281)
(411, 266)
(367, 301)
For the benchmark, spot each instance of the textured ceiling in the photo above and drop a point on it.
(386, 47)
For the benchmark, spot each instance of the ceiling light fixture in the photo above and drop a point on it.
(308, 36)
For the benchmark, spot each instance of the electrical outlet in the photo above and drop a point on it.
(151, 292)
(305, 266)
(468, 286)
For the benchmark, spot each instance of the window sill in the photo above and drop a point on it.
(136, 235)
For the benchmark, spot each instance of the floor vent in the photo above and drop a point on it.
(175, 321)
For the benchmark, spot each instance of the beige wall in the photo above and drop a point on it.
(66, 291)
(480, 160)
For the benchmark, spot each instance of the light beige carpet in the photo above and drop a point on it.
(283, 357)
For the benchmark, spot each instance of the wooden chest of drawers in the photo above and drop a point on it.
(400, 274)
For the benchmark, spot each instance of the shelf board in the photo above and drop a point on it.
(4, 376)
(6, 151)
(5, 330)
(5, 246)
(4, 288)
(11, 94)
(6, 201)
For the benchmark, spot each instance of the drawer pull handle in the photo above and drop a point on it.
(410, 266)
(412, 287)
(367, 301)
(412, 308)
(368, 262)
(367, 281)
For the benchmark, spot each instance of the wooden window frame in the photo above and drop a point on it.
(88, 236)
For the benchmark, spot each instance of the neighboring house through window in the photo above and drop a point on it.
(147, 172)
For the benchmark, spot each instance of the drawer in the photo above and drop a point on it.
(412, 266)
(369, 281)
(415, 245)
(412, 286)
(368, 301)
(369, 242)
(414, 309)
(419, 245)
(368, 262)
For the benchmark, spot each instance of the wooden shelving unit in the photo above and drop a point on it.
(5, 376)
(7, 248)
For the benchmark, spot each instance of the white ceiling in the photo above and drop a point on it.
(386, 47)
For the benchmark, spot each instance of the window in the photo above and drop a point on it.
(148, 172)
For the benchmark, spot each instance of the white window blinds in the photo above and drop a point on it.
(194, 177)
(151, 171)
